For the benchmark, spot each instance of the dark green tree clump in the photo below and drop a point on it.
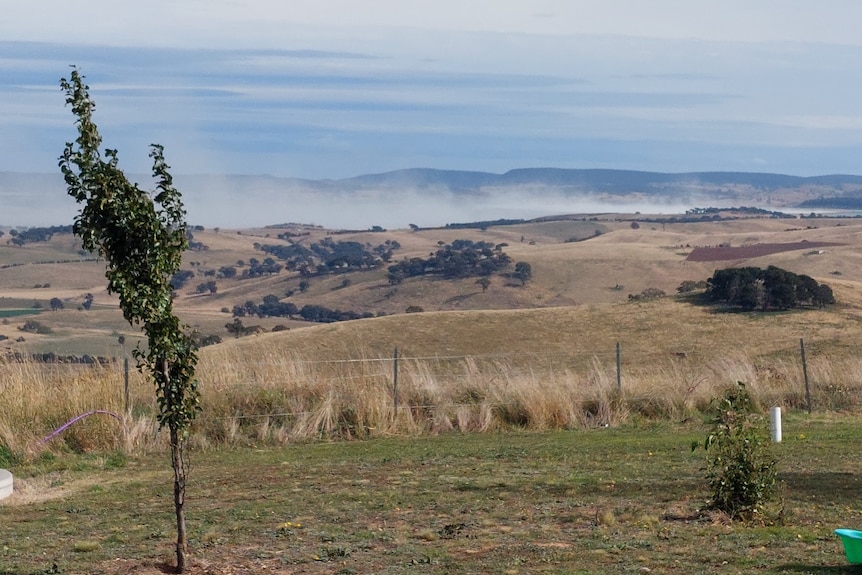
(271, 306)
(257, 268)
(33, 235)
(328, 256)
(460, 259)
(321, 314)
(180, 278)
(141, 237)
(753, 288)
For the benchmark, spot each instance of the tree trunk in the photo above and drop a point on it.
(178, 462)
(179, 496)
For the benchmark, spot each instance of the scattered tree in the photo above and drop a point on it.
(235, 328)
(88, 302)
(523, 272)
(484, 282)
(202, 340)
(227, 272)
(205, 287)
(180, 278)
(56, 303)
(142, 238)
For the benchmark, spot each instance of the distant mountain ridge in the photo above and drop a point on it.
(595, 179)
(591, 180)
(442, 196)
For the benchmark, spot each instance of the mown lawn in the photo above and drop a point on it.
(601, 501)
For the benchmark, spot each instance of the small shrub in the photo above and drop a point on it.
(647, 294)
(740, 467)
(33, 326)
(689, 286)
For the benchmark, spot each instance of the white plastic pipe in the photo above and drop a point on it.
(5, 484)
(775, 424)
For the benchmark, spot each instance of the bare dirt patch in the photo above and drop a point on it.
(723, 253)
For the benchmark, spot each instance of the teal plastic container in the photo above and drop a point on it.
(852, 540)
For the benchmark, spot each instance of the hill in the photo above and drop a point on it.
(429, 197)
(590, 262)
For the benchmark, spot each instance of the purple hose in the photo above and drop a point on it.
(74, 420)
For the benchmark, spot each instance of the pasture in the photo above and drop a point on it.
(502, 443)
(626, 500)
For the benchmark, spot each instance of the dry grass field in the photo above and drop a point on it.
(537, 356)
(534, 367)
(596, 270)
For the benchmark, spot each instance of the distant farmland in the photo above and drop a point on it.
(18, 312)
(721, 253)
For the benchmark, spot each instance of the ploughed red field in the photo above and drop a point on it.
(719, 253)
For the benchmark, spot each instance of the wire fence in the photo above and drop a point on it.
(276, 391)
(615, 366)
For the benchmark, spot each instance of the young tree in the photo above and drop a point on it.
(142, 239)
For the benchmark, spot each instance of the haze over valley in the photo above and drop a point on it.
(434, 198)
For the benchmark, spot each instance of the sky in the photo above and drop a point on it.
(338, 88)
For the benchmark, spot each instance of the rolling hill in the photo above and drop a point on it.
(580, 263)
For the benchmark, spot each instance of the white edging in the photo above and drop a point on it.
(5, 484)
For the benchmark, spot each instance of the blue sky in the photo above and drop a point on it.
(337, 88)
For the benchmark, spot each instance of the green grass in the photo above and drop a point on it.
(602, 501)
(18, 312)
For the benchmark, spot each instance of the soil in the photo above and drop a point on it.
(721, 253)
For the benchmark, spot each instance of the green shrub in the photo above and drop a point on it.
(7, 457)
(740, 465)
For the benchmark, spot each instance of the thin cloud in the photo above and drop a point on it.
(326, 90)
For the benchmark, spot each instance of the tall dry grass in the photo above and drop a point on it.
(280, 397)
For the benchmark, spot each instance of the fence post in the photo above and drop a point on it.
(805, 374)
(619, 370)
(126, 382)
(395, 380)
